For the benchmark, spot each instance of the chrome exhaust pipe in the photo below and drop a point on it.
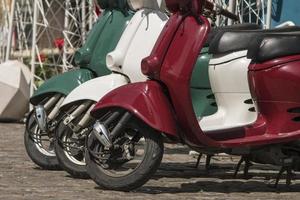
(102, 134)
(41, 117)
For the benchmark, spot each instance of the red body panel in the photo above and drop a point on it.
(138, 98)
(152, 64)
(176, 73)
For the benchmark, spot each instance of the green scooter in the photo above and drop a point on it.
(42, 120)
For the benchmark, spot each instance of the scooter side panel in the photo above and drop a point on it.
(143, 42)
(139, 101)
(202, 96)
(230, 86)
(203, 102)
(200, 78)
(83, 55)
(95, 89)
(114, 59)
(63, 83)
(276, 93)
(176, 72)
(231, 76)
(108, 41)
(278, 83)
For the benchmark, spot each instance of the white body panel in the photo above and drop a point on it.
(136, 43)
(96, 88)
(229, 82)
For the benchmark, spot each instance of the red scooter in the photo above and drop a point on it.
(161, 108)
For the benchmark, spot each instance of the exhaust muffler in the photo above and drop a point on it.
(41, 117)
(102, 134)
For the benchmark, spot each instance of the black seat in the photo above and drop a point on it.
(214, 31)
(270, 46)
(238, 40)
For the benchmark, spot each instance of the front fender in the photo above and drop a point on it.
(63, 83)
(146, 100)
(95, 89)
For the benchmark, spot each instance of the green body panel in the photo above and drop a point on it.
(84, 54)
(200, 78)
(203, 102)
(108, 40)
(63, 83)
(202, 96)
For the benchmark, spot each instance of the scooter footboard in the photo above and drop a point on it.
(146, 101)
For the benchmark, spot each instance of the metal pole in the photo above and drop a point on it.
(10, 31)
(33, 54)
(231, 8)
(269, 14)
(83, 15)
(66, 27)
(91, 14)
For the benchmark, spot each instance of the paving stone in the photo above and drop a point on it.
(176, 179)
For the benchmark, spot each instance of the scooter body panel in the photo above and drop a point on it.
(108, 40)
(83, 56)
(176, 72)
(275, 92)
(136, 43)
(139, 101)
(95, 89)
(63, 83)
(229, 81)
(202, 96)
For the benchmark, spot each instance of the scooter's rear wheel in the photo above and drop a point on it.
(129, 167)
(39, 146)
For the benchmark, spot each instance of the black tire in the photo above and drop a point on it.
(41, 159)
(74, 169)
(138, 177)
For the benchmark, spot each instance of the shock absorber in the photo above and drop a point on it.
(41, 112)
(102, 133)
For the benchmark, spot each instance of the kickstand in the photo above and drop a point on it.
(289, 176)
(198, 160)
(248, 164)
(207, 163)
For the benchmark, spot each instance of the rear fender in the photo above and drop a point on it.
(95, 89)
(63, 84)
(146, 100)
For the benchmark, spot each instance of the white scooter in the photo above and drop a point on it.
(136, 43)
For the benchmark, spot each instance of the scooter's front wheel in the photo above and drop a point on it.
(39, 146)
(135, 156)
(70, 151)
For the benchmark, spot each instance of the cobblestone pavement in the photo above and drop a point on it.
(176, 179)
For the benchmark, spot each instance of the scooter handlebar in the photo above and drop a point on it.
(216, 8)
